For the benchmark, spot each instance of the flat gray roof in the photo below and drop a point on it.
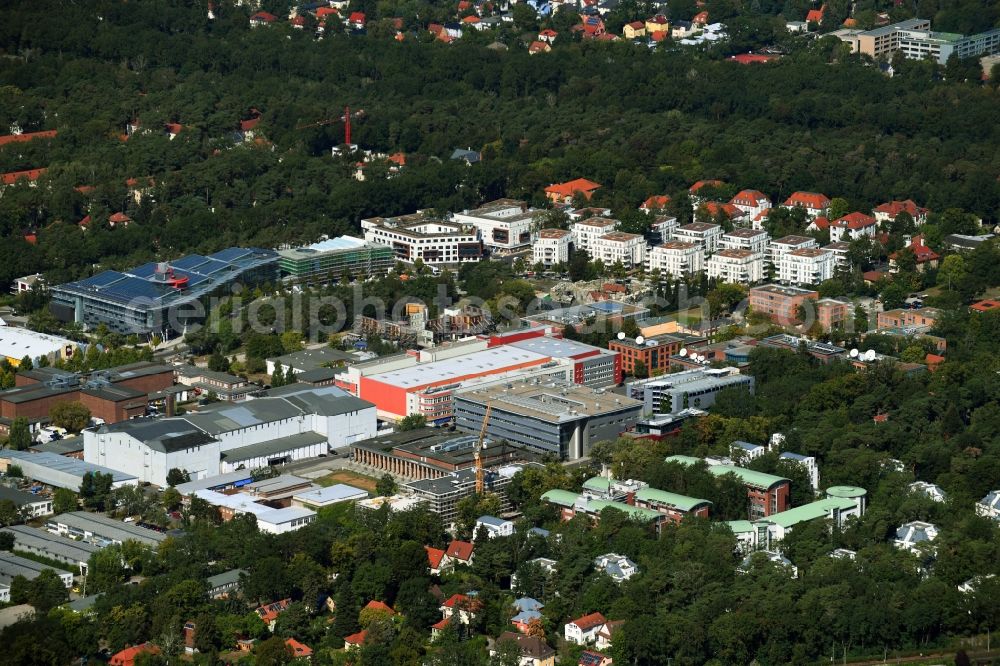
(555, 403)
(109, 528)
(59, 446)
(225, 578)
(210, 482)
(31, 538)
(20, 497)
(38, 463)
(273, 446)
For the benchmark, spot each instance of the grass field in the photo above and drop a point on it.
(348, 477)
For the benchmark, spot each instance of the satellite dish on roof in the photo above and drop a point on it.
(870, 355)
(639, 340)
(854, 353)
(621, 335)
(683, 352)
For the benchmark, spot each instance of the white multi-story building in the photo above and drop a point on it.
(676, 258)
(807, 462)
(751, 202)
(419, 236)
(852, 227)
(839, 250)
(739, 266)
(504, 224)
(755, 240)
(495, 527)
(703, 234)
(630, 249)
(807, 266)
(663, 227)
(776, 248)
(911, 535)
(812, 203)
(551, 247)
(587, 231)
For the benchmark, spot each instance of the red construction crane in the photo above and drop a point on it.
(346, 119)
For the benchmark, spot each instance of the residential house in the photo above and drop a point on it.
(695, 191)
(889, 211)
(461, 607)
(460, 552)
(931, 490)
(923, 256)
(907, 318)
(815, 15)
(221, 586)
(538, 47)
(913, 534)
(355, 641)
(268, 613)
(700, 20)
(676, 258)
(743, 452)
(658, 23)
(618, 567)
(128, 656)
(495, 527)
(261, 19)
(548, 36)
(989, 506)
(606, 634)
(852, 227)
(534, 650)
(357, 21)
(634, 30)
(724, 211)
(657, 202)
(591, 658)
(583, 630)
(437, 561)
(467, 155)
(564, 192)
(527, 611)
(751, 202)
(832, 313)
(813, 203)
(299, 650)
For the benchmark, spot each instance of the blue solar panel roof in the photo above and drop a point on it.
(231, 254)
(133, 287)
(144, 271)
(101, 279)
(189, 262)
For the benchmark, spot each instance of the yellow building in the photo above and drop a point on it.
(657, 23)
(634, 30)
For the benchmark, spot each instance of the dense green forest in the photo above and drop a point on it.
(639, 121)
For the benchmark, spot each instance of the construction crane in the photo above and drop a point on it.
(346, 119)
(478, 452)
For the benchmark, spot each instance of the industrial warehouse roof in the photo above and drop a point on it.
(108, 528)
(144, 285)
(486, 361)
(43, 542)
(310, 359)
(557, 348)
(59, 446)
(12, 566)
(552, 402)
(339, 492)
(164, 435)
(45, 467)
(681, 502)
(811, 511)
(271, 447)
(16, 343)
(19, 497)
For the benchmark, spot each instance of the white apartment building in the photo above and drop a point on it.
(664, 226)
(806, 266)
(504, 224)
(751, 202)
(630, 249)
(551, 247)
(852, 227)
(839, 251)
(419, 236)
(676, 258)
(785, 244)
(703, 234)
(587, 231)
(739, 266)
(755, 240)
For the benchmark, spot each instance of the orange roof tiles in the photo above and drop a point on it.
(590, 621)
(571, 187)
(811, 200)
(27, 136)
(460, 550)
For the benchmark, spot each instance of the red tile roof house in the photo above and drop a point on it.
(128, 656)
(985, 306)
(852, 227)
(461, 607)
(26, 136)
(355, 641)
(460, 552)
(814, 204)
(30, 177)
(299, 650)
(816, 15)
(548, 35)
(926, 257)
(655, 202)
(262, 18)
(734, 213)
(888, 211)
(751, 202)
(584, 630)
(119, 219)
(379, 606)
(437, 561)
(564, 192)
(172, 130)
(356, 20)
(268, 613)
(538, 47)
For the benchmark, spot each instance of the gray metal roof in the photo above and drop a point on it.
(59, 446)
(34, 465)
(19, 497)
(273, 446)
(43, 541)
(109, 528)
(224, 578)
